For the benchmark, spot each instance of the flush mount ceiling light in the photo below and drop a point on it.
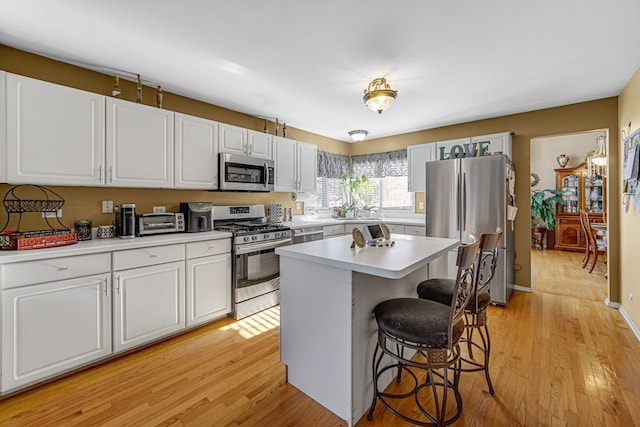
(379, 96)
(358, 135)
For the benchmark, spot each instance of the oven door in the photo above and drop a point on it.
(243, 173)
(257, 269)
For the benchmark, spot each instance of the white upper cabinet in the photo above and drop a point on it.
(417, 156)
(285, 153)
(307, 166)
(260, 144)
(3, 126)
(233, 139)
(55, 134)
(296, 165)
(244, 142)
(493, 144)
(139, 145)
(196, 153)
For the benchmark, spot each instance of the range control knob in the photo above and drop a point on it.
(246, 239)
(254, 237)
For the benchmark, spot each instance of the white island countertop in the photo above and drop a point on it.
(408, 254)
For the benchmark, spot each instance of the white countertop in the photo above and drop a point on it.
(407, 255)
(105, 245)
(300, 221)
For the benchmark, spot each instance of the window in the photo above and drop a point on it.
(386, 172)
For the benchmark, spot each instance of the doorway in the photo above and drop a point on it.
(549, 156)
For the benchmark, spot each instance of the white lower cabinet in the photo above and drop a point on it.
(54, 327)
(148, 303)
(415, 230)
(208, 288)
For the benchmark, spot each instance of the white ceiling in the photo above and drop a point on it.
(308, 62)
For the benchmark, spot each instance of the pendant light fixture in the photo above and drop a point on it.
(358, 135)
(379, 96)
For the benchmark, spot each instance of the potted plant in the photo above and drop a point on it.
(354, 188)
(543, 203)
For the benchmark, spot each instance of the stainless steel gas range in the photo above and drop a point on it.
(255, 267)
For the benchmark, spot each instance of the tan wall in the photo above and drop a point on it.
(629, 105)
(85, 202)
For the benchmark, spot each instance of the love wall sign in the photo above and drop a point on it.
(469, 149)
(477, 146)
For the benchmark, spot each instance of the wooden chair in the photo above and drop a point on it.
(594, 245)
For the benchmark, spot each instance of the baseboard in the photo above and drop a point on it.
(522, 288)
(632, 325)
(610, 304)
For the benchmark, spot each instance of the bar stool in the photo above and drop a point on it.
(429, 332)
(441, 290)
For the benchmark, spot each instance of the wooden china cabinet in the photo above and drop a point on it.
(581, 190)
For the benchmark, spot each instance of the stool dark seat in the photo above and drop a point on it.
(428, 332)
(442, 290)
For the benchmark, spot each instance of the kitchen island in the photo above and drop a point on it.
(327, 328)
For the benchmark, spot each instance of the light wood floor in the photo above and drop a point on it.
(560, 357)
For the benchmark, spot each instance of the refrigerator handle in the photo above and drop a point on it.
(458, 215)
(464, 201)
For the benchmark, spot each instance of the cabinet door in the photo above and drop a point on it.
(307, 166)
(396, 229)
(285, 164)
(568, 234)
(260, 145)
(417, 156)
(139, 145)
(3, 125)
(148, 303)
(54, 327)
(196, 153)
(415, 230)
(55, 134)
(233, 139)
(208, 288)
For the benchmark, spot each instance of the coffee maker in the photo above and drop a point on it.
(197, 216)
(126, 221)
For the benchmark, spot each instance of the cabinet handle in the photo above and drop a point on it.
(106, 287)
(110, 174)
(63, 268)
(153, 255)
(100, 174)
(118, 285)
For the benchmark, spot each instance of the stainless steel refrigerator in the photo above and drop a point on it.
(470, 195)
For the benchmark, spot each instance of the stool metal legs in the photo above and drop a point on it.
(438, 365)
(469, 364)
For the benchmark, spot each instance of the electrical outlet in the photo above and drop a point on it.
(159, 209)
(630, 297)
(52, 214)
(107, 206)
(297, 206)
(421, 205)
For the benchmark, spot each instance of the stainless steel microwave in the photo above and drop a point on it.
(243, 173)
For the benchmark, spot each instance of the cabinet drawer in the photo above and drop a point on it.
(396, 228)
(208, 247)
(332, 230)
(53, 269)
(415, 230)
(132, 258)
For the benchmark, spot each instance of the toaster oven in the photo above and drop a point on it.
(157, 223)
